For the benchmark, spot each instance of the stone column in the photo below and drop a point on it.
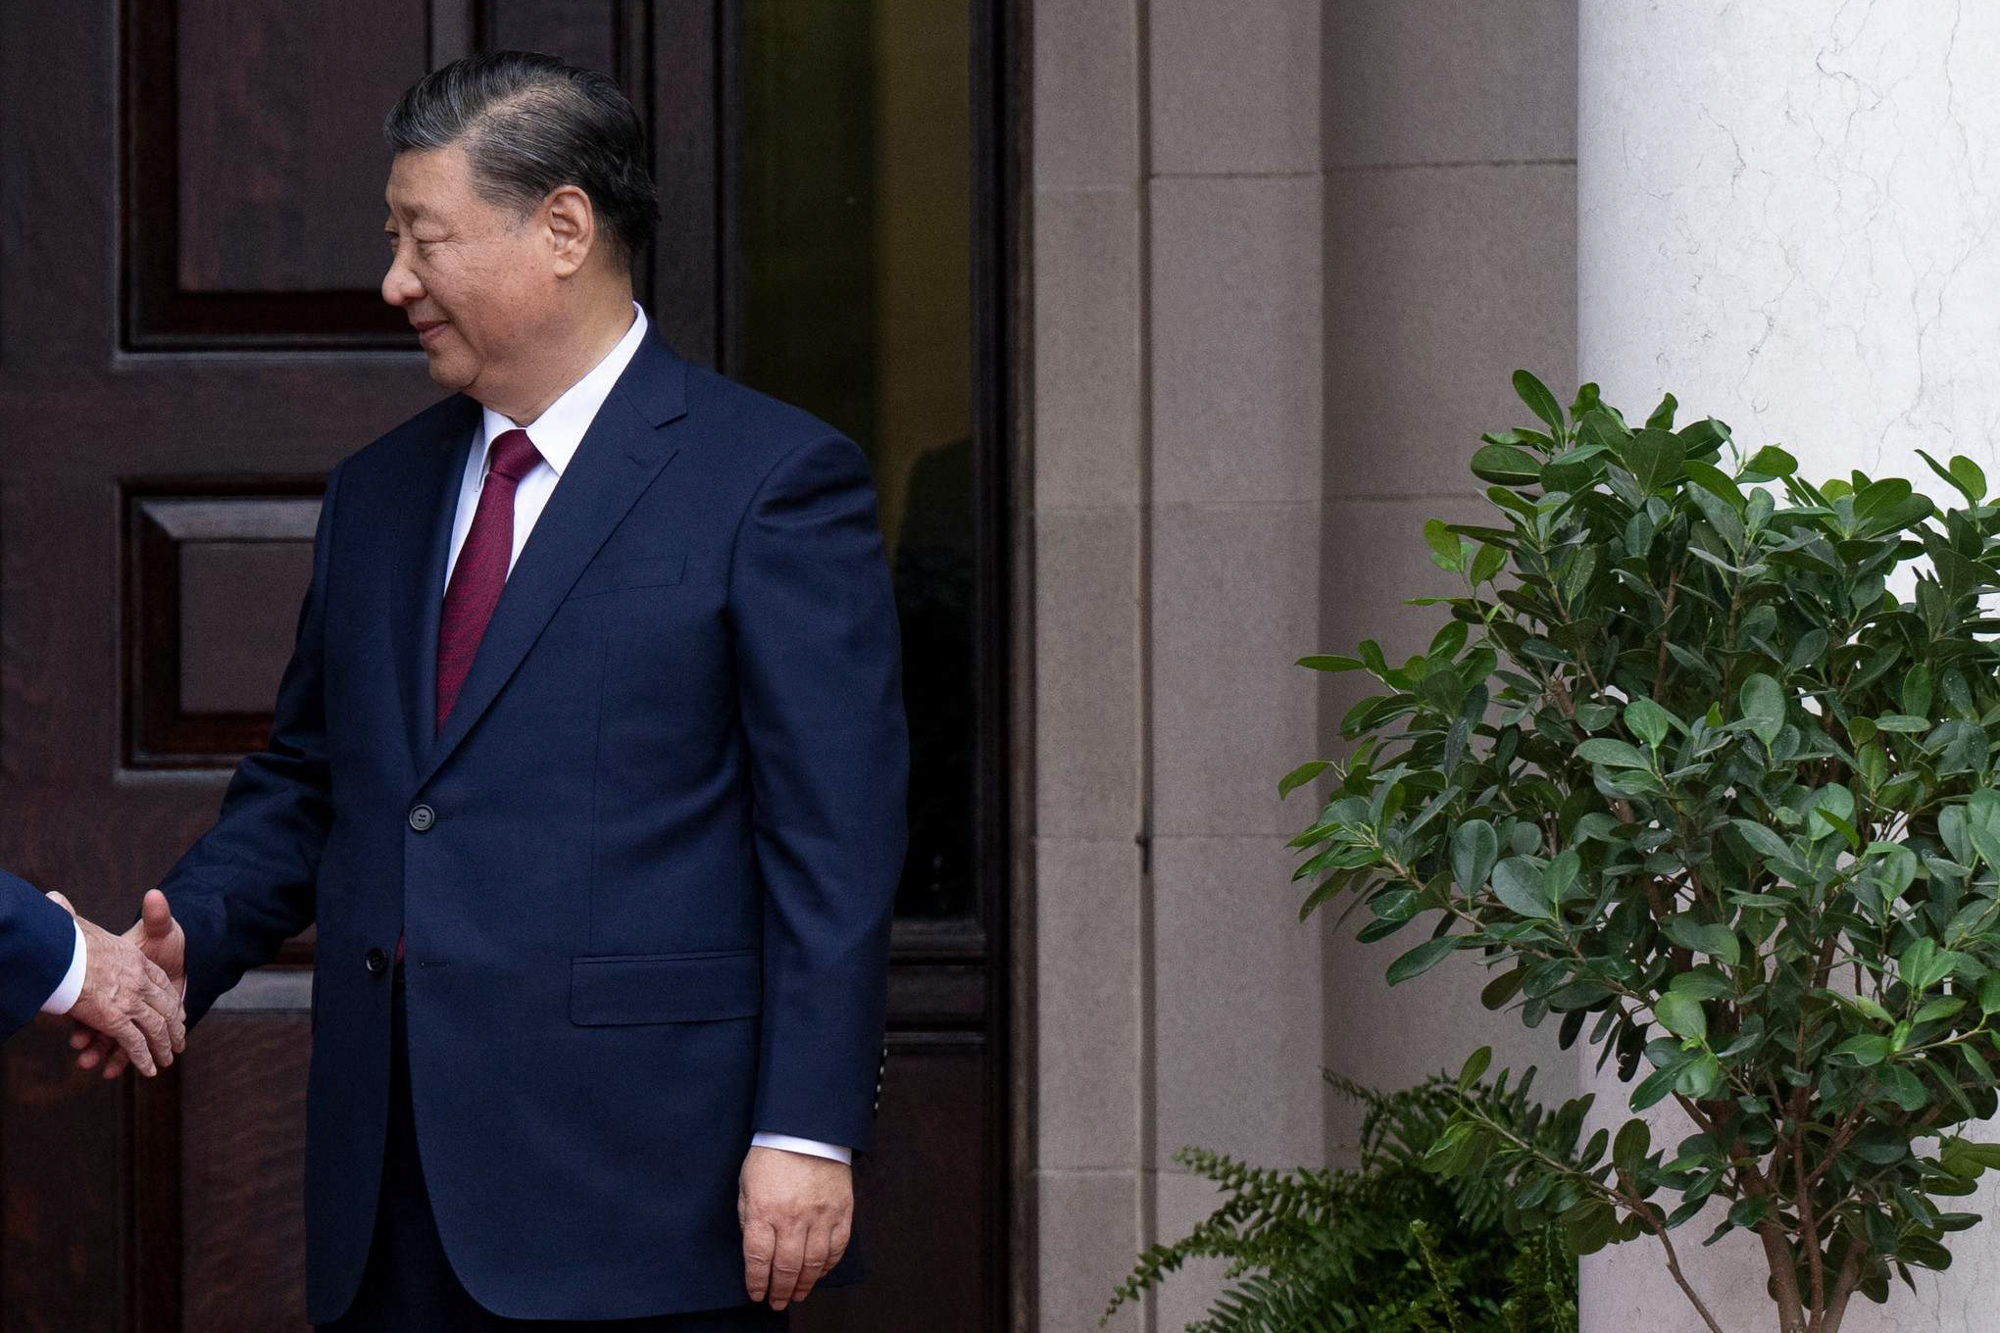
(1786, 216)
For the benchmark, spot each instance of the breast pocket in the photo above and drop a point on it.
(606, 576)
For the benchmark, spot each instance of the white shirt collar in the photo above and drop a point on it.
(559, 430)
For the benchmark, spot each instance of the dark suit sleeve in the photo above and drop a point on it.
(819, 682)
(37, 942)
(248, 885)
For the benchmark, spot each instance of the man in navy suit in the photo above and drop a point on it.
(54, 962)
(589, 764)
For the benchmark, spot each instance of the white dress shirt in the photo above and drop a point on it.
(556, 434)
(64, 998)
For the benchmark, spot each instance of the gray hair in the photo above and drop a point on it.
(531, 124)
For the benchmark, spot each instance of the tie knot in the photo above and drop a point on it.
(514, 454)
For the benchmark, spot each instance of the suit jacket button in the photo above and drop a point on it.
(422, 818)
(378, 962)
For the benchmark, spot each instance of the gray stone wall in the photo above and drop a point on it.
(1450, 145)
(1177, 428)
(1285, 254)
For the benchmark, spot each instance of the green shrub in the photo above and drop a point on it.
(1699, 783)
(1387, 1247)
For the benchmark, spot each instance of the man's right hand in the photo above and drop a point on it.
(128, 1003)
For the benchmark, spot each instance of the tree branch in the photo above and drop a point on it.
(1828, 1320)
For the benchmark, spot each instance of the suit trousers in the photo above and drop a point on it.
(409, 1286)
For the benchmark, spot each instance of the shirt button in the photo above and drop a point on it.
(378, 962)
(422, 818)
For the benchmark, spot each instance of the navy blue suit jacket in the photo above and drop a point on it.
(37, 941)
(645, 871)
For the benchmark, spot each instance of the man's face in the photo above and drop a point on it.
(474, 278)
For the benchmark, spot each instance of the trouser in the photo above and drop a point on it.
(409, 1286)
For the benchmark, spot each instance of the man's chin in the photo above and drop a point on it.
(448, 371)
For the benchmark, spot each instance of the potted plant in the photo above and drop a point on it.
(1701, 763)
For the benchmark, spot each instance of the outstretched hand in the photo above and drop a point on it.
(129, 1008)
(158, 937)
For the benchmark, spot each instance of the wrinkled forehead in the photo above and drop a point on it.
(426, 182)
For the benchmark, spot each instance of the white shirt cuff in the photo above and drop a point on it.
(810, 1147)
(72, 983)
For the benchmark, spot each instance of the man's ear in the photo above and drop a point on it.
(572, 228)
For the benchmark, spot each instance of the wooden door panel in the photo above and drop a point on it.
(241, 1221)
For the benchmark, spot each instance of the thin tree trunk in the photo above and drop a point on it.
(1829, 1319)
(1785, 1275)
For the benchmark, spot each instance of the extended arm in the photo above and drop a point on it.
(38, 944)
(248, 885)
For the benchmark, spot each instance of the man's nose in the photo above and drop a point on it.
(399, 285)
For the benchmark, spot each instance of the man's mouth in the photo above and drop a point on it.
(429, 330)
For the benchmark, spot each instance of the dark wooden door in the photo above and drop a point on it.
(189, 338)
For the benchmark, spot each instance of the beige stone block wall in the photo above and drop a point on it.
(1285, 254)
(1449, 136)
(1177, 447)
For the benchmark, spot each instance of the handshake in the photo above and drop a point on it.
(129, 1011)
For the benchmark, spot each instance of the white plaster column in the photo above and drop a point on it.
(1786, 216)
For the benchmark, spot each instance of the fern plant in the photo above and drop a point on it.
(1389, 1246)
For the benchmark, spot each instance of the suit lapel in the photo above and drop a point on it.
(420, 541)
(619, 457)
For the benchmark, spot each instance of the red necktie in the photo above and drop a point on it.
(481, 571)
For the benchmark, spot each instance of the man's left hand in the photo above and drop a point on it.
(797, 1213)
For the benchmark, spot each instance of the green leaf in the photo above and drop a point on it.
(1561, 875)
(1923, 965)
(1655, 1087)
(1703, 983)
(1506, 464)
(1490, 561)
(1517, 883)
(1612, 754)
(1474, 848)
(1763, 841)
(1971, 480)
(1326, 663)
(1421, 959)
(1917, 690)
(1699, 1077)
(1763, 702)
(1633, 1144)
(1682, 1015)
(1650, 722)
(1771, 461)
(1445, 551)
(1717, 941)
(1900, 1086)
(1301, 775)
(1989, 993)
(1475, 1067)
(1538, 398)
(1663, 415)
(1867, 1049)
(1870, 1006)
(1653, 457)
(1502, 988)
(1964, 474)
(1944, 1006)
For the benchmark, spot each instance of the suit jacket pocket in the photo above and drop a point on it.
(665, 988)
(617, 575)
